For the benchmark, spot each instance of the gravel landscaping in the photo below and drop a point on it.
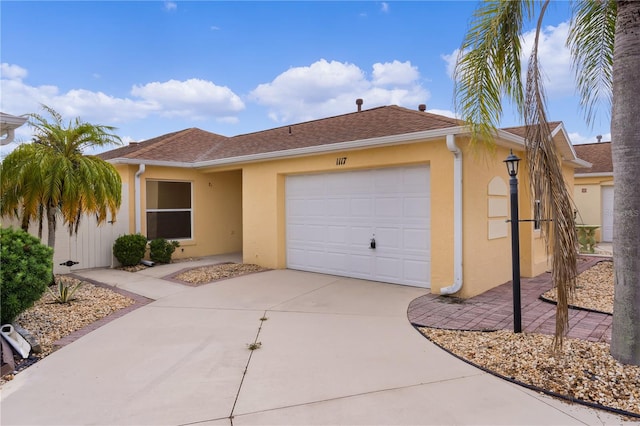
(207, 274)
(594, 289)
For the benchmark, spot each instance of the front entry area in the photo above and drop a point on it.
(369, 224)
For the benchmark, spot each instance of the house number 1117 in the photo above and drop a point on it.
(341, 161)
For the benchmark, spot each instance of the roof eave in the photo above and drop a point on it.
(339, 146)
(578, 163)
(159, 163)
(504, 139)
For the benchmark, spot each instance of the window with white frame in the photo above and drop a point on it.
(169, 210)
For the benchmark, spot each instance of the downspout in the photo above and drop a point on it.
(138, 202)
(457, 217)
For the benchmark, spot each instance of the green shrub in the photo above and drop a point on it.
(161, 250)
(129, 249)
(26, 270)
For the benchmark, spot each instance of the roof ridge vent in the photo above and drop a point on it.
(422, 107)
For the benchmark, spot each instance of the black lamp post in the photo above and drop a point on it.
(512, 167)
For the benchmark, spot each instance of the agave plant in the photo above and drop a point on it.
(65, 292)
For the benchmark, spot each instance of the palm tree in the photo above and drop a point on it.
(52, 177)
(605, 50)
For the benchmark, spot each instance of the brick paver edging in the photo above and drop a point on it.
(493, 310)
(139, 301)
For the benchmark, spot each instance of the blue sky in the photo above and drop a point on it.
(153, 67)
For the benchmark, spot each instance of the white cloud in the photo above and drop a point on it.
(396, 72)
(194, 99)
(384, 7)
(577, 138)
(331, 88)
(12, 72)
(445, 112)
(451, 60)
(170, 5)
(553, 56)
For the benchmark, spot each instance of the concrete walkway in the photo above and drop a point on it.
(333, 351)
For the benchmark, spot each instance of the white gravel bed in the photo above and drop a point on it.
(584, 371)
(50, 321)
(594, 289)
(207, 274)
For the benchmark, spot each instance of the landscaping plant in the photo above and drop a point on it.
(26, 270)
(64, 292)
(161, 250)
(129, 249)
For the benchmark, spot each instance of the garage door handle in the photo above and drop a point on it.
(373, 243)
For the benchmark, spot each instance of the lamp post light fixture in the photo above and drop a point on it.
(512, 168)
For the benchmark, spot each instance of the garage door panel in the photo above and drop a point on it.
(361, 207)
(330, 224)
(360, 264)
(359, 236)
(389, 268)
(416, 239)
(389, 207)
(417, 207)
(388, 238)
(337, 235)
(338, 207)
(415, 271)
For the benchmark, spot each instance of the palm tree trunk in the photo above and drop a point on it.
(625, 150)
(51, 226)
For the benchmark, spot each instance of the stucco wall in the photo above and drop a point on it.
(217, 207)
(487, 258)
(587, 195)
(264, 200)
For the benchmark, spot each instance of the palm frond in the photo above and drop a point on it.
(488, 66)
(548, 185)
(591, 39)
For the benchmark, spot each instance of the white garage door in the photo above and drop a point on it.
(607, 213)
(331, 219)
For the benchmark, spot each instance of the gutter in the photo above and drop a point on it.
(457, 217)
(598, 174)
(137, 197)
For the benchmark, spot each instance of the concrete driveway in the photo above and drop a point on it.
(333, 351)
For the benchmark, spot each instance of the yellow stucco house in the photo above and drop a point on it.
(387, 194)
(593, 189)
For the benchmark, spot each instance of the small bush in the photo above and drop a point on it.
(161, 250)
(26, 270)
(129, 249)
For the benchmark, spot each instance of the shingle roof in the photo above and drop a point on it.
(520, 130)
(193, 144)
(183, 146)
(598, 154)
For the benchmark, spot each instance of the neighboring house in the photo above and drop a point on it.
(8, 124)
(593, 189)
(387, 194)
